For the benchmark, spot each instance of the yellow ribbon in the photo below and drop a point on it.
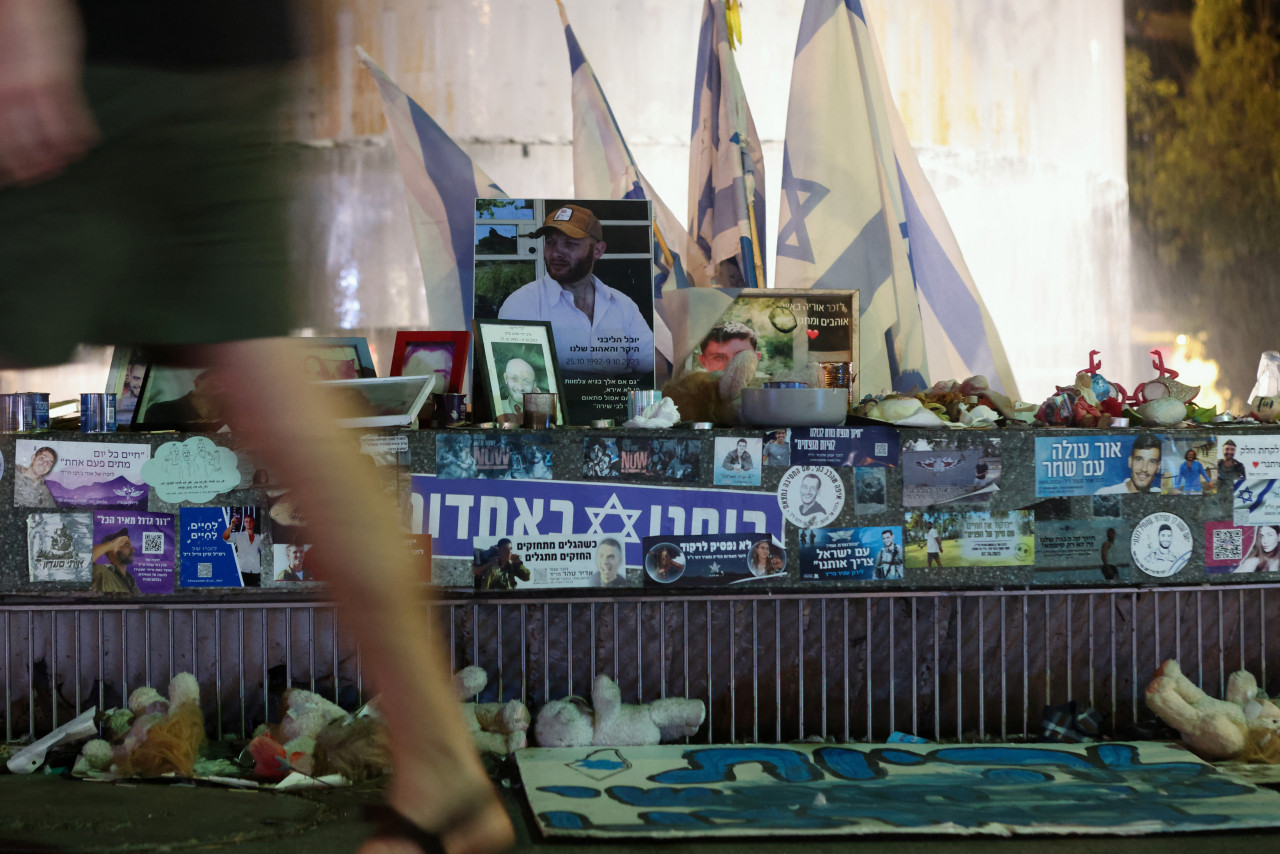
(733, 20)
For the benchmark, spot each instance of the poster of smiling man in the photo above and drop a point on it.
(585, 267)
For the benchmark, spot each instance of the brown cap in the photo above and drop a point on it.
(574, 221)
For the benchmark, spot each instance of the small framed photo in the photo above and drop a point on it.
(441, 353)
(326, 359)
(124, 380)
(514, 358)
(386, 401)
(173, 398)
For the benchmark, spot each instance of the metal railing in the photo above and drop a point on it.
(963, 666)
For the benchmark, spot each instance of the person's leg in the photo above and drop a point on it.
(358, 546)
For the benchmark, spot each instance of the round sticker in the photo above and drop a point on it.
(664, 563)
(811, 496)
(1161, 544)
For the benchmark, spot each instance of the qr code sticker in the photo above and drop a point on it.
(1228, 544)
(152, 543)
(204, 570)
(882, 449)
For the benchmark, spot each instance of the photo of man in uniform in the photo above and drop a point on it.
(501, 570)
(114, 576)
(890, 561)
(609, 562)
(598, 329)
(1160, 559)
(1144, 467)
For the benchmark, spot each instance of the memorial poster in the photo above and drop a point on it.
(656, 460)
(148, 555)
(1241, 548)
(972, 538)
(585, 266)
(544, 563)
(1097, 465)
(737, 461)
(50, 474)
(1082, 550)
(712, 560)
(953, 470)
(60, 547)
(494, 456)
(844, 446)
(852, 554)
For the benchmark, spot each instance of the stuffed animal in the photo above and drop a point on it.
(714, 397)
(612, 723)
(494, 727)
(157, 735)
(1243, 726)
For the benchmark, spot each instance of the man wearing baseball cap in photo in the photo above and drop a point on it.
(588, 318)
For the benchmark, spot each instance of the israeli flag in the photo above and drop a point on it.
(603, 168)
(857, 212)
(726, 168)
(441, 185)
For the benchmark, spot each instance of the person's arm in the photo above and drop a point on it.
(519, 570)
(45, 123)
(110, 546)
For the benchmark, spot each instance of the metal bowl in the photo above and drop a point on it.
(795, 407)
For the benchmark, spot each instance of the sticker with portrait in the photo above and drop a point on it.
(811, 496)
(1160, 544)
(657, 460)
(554, 260)
(777, 447)
(515, 358)
(712, 560)
(494, 456)
(60, 547)
(952, 470)
(870, 486)
(737, 461)
(220, 547)
(852, 554)
(1098, 465)
(1188, 465)
(1241, 456)
(53, 474)
(844, 446)
(545, 563)
(1241, 548)
(289, 562)
(124, 380)
(970, 538)
(1082, 550)
(133, 553)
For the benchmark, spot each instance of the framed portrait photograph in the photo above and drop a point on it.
(514, 358)
(173, 398)
(124, 380)
(384, 401)
(586, 267)
(443, 354)
(325, 359)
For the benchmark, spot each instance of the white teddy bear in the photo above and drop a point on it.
(569, 723)
(494, 727)
(1240, 727)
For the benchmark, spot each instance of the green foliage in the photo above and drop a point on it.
(1204, 178)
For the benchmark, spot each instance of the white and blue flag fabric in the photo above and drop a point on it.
(726, 166)
(857, 213)
(441, 186)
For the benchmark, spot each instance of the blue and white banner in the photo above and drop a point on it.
(441, 185)
(456, 512)
(1088, 465)
(844, 446)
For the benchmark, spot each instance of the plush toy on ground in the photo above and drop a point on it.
(1244, 726)
(154, 736)
(495, 727)
(612, 723)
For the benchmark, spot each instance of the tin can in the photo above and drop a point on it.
(40, 408)
(98, 413)
(16, 415)
(454, 408)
